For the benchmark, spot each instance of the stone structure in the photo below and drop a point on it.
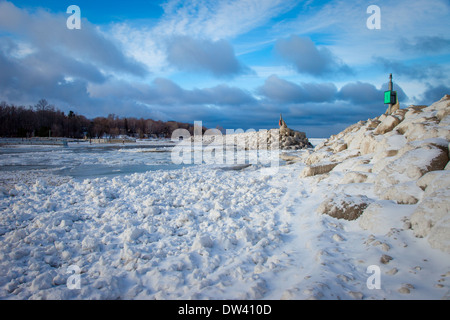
(291, 139)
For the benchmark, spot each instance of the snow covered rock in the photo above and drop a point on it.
(381, 216)
(344, 206)
(410, 166)
(354, 177)
(368, 144)
(388, 124)
(289, 158)
(432, 219)
(402, 193)
(433, 181)
(317, 169)
(268, 139)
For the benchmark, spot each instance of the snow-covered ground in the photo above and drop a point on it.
(68, 231)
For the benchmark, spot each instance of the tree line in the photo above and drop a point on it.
(45, 120)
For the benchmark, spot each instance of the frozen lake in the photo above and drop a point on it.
(84, 160)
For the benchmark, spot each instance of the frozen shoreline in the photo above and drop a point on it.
(200, 232)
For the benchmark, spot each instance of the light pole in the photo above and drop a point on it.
(390, 96)
(390, 89)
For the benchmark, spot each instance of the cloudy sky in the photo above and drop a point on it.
(229, 63)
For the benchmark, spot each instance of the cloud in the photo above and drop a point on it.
(414, 71)
(362, 93)
(357, 93)
(285, 91)
(35, 77)
(308, 58)
(165, 92)
(48, 33)
(434, 93)
(219, 19)
(41, 58)
(191, 54)
(425, 44)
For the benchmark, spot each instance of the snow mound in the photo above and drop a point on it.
(407, 161)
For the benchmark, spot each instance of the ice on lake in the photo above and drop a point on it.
(84, 160)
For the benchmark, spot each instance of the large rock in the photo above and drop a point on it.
(410, 166)
(368, 144)
(433, 181)
(432, 219)
(348, 207)
(402, 193)
(381, 216)
(354, 177)
(317, 169)
(388, 124)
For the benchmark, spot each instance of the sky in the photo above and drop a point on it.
(323, 65)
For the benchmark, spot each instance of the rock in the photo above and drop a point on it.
(402, 193)
(344, 207)
(337, 237)
(421, 128)
(339, 146)
(432, 219)
(385, 259)
(273, 139)
(400, 114)
(372, 123)
(317, 156)
(443, 113)
(368, 144)
(356, 295)
(404, 290)
(414, 110)
(354, 177)
(317, 169)
(410, 166)
(379, 217)
(388, 124)
(392, 271)
(289, 158)
(434, 180)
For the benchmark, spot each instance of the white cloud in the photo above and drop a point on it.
(219, 19)
(341, 25)
(210, 20)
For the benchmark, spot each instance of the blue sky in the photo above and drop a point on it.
(234, 64)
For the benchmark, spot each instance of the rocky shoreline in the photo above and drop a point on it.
(404, 157)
